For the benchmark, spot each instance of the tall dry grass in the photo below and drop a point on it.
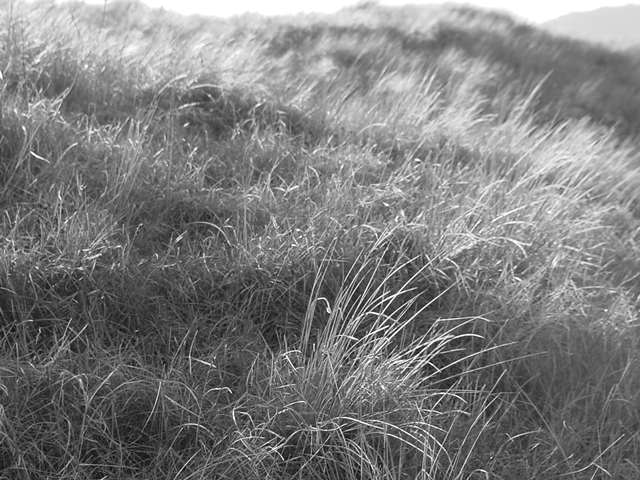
(313, 248)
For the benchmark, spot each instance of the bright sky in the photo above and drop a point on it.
(534, 11)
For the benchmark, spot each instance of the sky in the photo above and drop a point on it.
(531, 10)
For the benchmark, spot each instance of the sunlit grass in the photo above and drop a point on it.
(313, 248)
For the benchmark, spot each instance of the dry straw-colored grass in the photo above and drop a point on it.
(388, 244)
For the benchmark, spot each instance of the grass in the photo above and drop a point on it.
(384, 244)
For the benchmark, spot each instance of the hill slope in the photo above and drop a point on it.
(613, 26)
(382, 244)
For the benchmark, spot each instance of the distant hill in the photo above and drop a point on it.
(615, 26)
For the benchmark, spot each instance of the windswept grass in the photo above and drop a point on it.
(380, 245)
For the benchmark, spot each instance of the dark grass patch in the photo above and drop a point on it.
(100, 415)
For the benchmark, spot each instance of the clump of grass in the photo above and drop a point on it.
(360, 396)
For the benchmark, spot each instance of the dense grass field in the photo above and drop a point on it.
(389, 243)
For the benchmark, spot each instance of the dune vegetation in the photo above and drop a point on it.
(388, 243)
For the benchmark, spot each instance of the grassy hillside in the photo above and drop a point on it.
(384, 244)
